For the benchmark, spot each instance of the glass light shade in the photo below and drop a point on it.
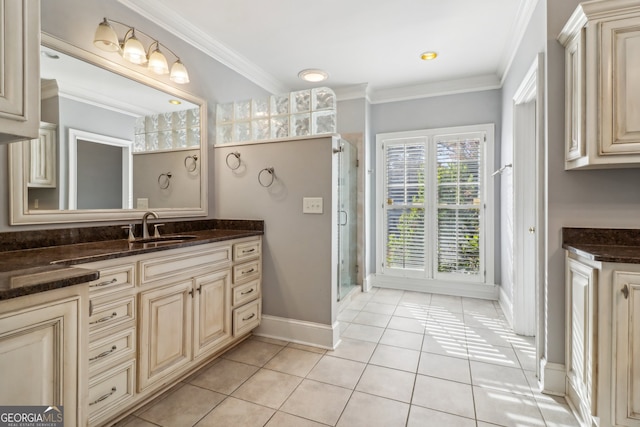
(133, 50)
(106, 38)
(179, 73)
(158, 62)
(313, 75)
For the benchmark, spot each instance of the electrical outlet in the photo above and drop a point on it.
(312, 205)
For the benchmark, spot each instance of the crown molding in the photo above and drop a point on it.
(181, 28)
(347, 93)
(518, 30)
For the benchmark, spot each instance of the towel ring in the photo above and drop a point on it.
(164, 180)
(271, 172)
(234, 164)
(191, 163)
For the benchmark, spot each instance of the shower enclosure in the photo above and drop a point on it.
(347, 218)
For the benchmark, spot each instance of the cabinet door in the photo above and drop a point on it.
(165, 331)
(575, 143)
(620, 86)
(41, 155)
(39, 357)
(580, 320)
(212, 311)
(19, 70)
(627, 356)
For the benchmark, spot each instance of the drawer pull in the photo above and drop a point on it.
(249, 317)
(625, 291)
(103, 354)
(248, 251)
(104, 319)
(105, 283)
(103, 397)
(251, 270)
(247, 292)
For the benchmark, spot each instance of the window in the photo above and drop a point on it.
(434, 217)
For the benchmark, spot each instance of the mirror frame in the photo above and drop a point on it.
(18, 197)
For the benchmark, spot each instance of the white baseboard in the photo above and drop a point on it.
(553, 379)
(299, 331)
(461, 289)
(368, 283)
(506, 305)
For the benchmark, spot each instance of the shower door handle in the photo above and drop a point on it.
(346, 217)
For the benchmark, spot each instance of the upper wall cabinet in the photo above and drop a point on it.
(602, 64)
(19, 70)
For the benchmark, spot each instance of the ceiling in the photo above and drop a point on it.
(370, 46)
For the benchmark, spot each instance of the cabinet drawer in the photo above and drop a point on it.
(245, 293)
(113, 279)
(245, 272)
(106, 314)
(183, 263)
(110, 390)
(105, 350)
(246, 318)
(246, 250)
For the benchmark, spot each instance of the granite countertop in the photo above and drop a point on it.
(38, 269)
(603, 244)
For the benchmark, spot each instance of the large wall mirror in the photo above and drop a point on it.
(113, 144)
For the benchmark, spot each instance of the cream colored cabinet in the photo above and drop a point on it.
(602, 62)
(41, 157)
(20, 73)
(603, 341)
(212, 312)
(42, 338)
(626, 299)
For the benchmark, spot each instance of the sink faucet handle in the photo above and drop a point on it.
(130, 230)
(156, 232)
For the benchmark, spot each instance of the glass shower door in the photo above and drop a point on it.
(347, 214)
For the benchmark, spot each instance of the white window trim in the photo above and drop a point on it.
(459, 284)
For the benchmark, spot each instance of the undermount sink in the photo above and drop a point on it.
(176, 238)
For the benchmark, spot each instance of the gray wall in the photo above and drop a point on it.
(297, 267)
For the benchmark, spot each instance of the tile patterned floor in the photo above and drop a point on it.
(406, 359)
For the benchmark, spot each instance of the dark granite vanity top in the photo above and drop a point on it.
(39, 264)
(603, 244)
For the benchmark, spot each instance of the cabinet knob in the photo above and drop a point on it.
(532, 229)
(625, 291)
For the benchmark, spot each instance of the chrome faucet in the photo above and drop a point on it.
(145, 230)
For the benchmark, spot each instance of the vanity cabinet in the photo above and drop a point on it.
(20, 76)
(602, 92)
(42, 338)
(603, 341)
(40, 155)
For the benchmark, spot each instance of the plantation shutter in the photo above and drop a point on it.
(404, 204)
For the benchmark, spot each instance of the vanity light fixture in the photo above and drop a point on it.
(132, 49)
(428, 56)
(313, 75)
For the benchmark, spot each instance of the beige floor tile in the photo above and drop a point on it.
(421, 298)
(307, 348)
(343, 327)
(317, 401)
(364, 410)
(337, 371)
(445, 367)
(386, 382)
(443, 395)
(497, 337)
(444, 344)
(506, 409)
(182, 407)
(501, 356)
(411, 310)
(396, 358)
(268, 388)
(526, 356)
(236, 412)
(447, 302)
(402, 339)
(293, 361)
(483, 424)
(363, 332)
(253, 352)
(224, 377)
(407, 324)
(353, 349)
(347, 315)
(424, 417)
(510, 380)
(556, 415)
(282, 419)
(483, 321)
(372, 319)
(386, 299)
(269, 340)
(357, 305)
(380, 308)
(132, 421)
(479, 306)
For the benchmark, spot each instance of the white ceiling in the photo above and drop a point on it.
(372, 44)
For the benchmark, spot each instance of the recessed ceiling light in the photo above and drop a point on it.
(313, 75)
(428, 56)
(174, 102)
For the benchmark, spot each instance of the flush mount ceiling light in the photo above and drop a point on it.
(133, 50)
(428, 56)
(313, 75)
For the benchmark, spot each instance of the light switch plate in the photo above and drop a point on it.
(312, 205)
(142, 203)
